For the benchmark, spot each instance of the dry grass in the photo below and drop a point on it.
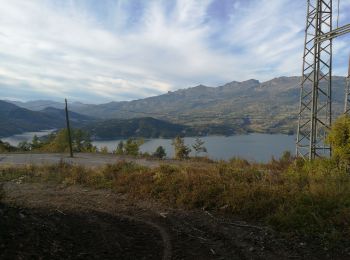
(307, 199)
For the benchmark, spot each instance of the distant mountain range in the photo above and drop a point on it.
(236, 107)
(16, 120)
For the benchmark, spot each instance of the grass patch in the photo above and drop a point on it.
(311, 200)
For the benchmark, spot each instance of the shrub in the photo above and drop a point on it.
(160, 152)
(132, 147)
(104, 150)
(199, 147)
(181, 150)
(339, 139)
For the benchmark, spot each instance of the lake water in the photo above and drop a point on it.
(257, 147)
(28, 136)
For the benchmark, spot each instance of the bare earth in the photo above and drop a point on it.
(41, 221)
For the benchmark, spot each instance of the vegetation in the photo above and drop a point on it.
(104, 150)
(6, 147)
(339, 139)
(182, 151)
(307, 199)
(310, 200)
(58, 142)
(160, 152)
(16, 120)
(131, 147)
(199, 147)
(146, 127)
(120, 148)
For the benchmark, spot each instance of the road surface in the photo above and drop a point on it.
(83, 159)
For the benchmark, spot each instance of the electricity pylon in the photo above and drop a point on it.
(315, 111)
(347, 93)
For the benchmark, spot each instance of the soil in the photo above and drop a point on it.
(41, 221)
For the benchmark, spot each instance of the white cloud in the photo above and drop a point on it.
(68, 48)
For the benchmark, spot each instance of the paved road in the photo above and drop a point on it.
(84, 159)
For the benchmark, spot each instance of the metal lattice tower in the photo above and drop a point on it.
(347, 94)
(316, 88)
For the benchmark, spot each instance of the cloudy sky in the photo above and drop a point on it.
(102, 50)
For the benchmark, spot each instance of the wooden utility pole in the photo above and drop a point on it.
(68, 131)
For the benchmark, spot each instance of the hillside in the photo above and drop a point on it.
(16, 120)
(138, 127)
(270, 106)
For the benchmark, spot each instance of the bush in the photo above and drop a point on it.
(311, 199)
(160, 152)
(181, 150)
(339, 139)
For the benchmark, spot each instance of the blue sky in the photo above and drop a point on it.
(111, 50)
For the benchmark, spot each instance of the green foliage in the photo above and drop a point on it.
(120, 148)
(24, 146)
(6, 147)
(36, 144)
(199, 147)
(58, 142)
(339, 139)
(182, 151)
(308, 199)
(104, 150)
(160, 152)
(132, 146)
(146, 127)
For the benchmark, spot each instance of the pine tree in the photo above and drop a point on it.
(160, 152)
(199, 147)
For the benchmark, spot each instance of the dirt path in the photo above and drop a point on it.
(73, 222)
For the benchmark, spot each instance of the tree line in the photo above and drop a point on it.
(57, 142)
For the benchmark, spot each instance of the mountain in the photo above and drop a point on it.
(16, 120)
(39, 105)
(60, 115)
(270, 106)
(147, 127)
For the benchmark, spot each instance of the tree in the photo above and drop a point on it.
(199, 147)
(81, 140)
(24, 146)
(339, 139)
(59, 142)
(36, 144)
(132, 147)
(104, 150)
(182, 151)
(160, 152)
(120, 148)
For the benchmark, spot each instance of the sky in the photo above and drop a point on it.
(97, 51)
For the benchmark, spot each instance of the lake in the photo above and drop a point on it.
(257, 147)
(28, 136)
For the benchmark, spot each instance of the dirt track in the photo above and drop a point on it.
(78, 223)
(83, 159)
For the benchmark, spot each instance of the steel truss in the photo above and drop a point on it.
(315, 111)
(347, 94)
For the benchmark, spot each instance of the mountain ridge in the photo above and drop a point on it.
(275, 101)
